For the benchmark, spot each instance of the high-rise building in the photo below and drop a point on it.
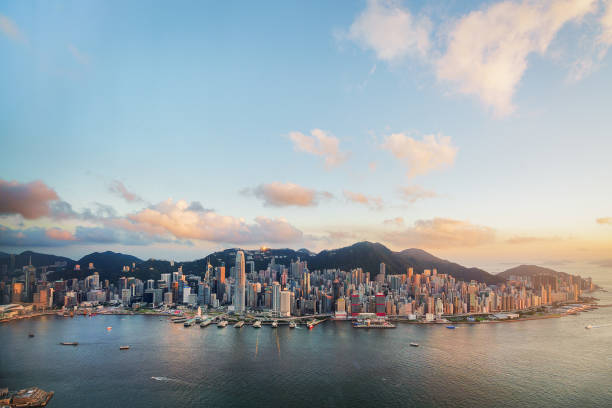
(239, 297)
(276, 293)
(285, 303)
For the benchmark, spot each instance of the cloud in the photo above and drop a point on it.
(527, 239)
(397, 221)
(441, 233)
(487, 49)
(278, 194)
(175, 219)
(118, 188)
(320, 143)
(375, 203)
(390, 30)
(604, 263)
(78, 55)
(30, 200)
(604, 221)
(11, 30)
(60, 234)
(606, 25)
(414, 193)
(433, 152)
(53, 237)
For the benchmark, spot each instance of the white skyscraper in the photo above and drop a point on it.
(240, 270)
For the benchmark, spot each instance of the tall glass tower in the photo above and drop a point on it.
(240, 271)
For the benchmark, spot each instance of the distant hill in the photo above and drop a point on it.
(108, 264)
(530, 270)
(38, 259)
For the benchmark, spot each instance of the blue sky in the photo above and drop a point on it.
(503, 123)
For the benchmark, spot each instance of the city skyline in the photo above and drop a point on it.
(169, 132)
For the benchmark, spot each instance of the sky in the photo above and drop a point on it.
(478, 131)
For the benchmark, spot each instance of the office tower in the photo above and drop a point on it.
(382, 268)
(240, 272)
(285, 303)
(276, 293)
(380, 304)
(220, 278)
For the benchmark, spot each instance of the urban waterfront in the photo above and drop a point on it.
(551, 362)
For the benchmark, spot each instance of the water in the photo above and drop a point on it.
(545, 363)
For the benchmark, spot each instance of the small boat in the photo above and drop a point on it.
(257, 324)
(414, 344)
(206, 323)
(109, 328)
(275, 324)
(311, 324)
(124, 347)
(188, 323)
(239, 324)
(69, 343)
(31, 335)
(450, 327)
(222, 324)
(590, 326)
(198, 319)
(292, 325)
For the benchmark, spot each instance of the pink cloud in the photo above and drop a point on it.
(119, 189)
(60, 234)
(30, 200)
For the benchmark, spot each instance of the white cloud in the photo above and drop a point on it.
(414, 193)
(487, 49)
(375, 203)
(397, 221)
(433, 152)
(606, 25)
(78, 55)
(176, 219)
(11, 30)
(441, 233)
(390, 30)
(320, 143)
(278, 194)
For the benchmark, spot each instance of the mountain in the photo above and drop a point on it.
(108, 264)
(37, 259)
(530, 270)
(366, 255)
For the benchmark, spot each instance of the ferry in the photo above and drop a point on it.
(275, 324)
(414, 344)
(189, 323)
(124, 347)
(257, 324)
(450, 327)
(239, 324)
(206, 323)
(292, 325)
(178, 320)
(29, 397)
(67, 343)
(222, 324)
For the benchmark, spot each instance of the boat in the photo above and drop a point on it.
(450, 327)
(239, 324)
(31, 335)
(124, 347)
(222, 324)
(29, 397)
(69, 343)
(206, 323)
(189, 323)
(257, 324)
(178, 319)
(590, 326)
(109, 328)
(292, 325)
(311, 324)
(198, 319)
(414, 344)
(275, 324)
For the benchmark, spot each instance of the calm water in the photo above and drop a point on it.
(554, 362)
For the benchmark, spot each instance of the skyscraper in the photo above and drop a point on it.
(240, 271)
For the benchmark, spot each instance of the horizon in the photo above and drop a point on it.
(175, 131)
